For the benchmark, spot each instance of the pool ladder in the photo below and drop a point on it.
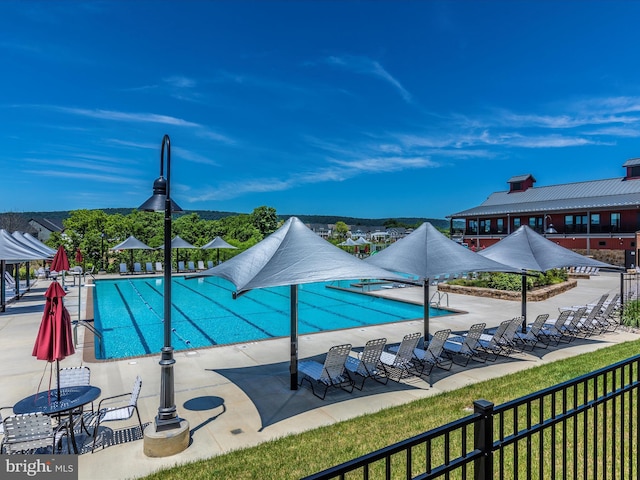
(92, 329)
(440, 297)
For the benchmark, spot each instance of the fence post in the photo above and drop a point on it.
(483, 440)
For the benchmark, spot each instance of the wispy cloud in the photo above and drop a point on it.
(127, 116)
(84, 176)
(367, 66)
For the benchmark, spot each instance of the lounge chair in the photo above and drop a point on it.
(90, 272)
(367, 364)
(532, 336)
(181, 266)
(159, 267)
(210, 264)
(137, 268)
(330, 374)
(552, 330)
(149, 267)
(31, 433)
(606, 320)
(402, 362)
(123, 269)
(490, 343)
(191, 267)
(201, 265)
(467, 345)
(116, 412)
(571, 328)
(432, 356)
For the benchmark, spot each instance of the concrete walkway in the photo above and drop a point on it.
(237, 396)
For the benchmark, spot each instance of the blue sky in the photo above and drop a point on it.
(370, 109)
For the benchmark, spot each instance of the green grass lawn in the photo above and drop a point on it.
(302, 454)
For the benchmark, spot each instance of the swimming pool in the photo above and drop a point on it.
(128, 313)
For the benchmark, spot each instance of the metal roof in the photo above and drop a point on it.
(632, 162)
(520, 178)
(596, 194)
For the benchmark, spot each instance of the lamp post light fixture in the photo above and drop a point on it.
(549, 229)
(167, 419)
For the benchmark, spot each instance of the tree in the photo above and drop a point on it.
(265, 220)
(342, 229)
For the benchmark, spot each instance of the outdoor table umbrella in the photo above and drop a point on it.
(54, 341)
(79, 256)
(60, 262)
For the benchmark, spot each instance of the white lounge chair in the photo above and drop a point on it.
(159, 267)
(432, 356)
(467, 345)
(367, 363)
(31, 433)
(149, 267)
(402, 362)
(116, 412)
(137, 268)
(330, 374)
(201, 265)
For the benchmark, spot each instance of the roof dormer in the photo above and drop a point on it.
(520, 183)
(633, 168)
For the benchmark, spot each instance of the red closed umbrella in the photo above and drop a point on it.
(60, 262)
(78, 256)
(54, 341)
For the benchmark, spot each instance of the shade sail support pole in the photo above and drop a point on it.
(293, 366)
(426, 309)
(524, 302)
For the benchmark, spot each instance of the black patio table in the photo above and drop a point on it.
(71, 398)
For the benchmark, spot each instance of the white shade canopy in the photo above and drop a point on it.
(527, 250)
(131, 243)
(217, 243)
(13, 251)
(292, 255)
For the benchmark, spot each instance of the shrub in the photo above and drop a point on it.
(631, 314)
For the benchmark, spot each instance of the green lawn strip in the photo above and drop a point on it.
(302, 454)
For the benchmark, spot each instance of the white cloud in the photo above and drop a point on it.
(366, 66)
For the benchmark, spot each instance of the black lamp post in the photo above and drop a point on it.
(161, 200)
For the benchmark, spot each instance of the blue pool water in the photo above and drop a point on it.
(128, 313)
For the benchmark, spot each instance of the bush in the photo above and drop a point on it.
(631, 314)
(513, 282)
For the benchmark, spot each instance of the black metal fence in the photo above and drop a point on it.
(586, 428)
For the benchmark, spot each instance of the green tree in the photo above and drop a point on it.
(342, 229)
(265, 220)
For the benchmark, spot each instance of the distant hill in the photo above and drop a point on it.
(216, 215)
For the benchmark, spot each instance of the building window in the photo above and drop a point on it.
(485, 226)
(595, 223)
(516, 223)
(500, 225)
(615, 222)
(634, 171)
(473, 226)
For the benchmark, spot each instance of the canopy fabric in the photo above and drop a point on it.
(362, 241)
(292, 255)
(348, 243)
(13, 252)
(428, 253)
(60, 262)
(178, 242)
(41, 246)
(131, 243)
(527, 250)
(34, 244)
(217, 243)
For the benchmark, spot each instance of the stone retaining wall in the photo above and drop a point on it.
(536, 295)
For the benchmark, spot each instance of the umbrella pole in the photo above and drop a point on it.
(293, 367)
(58, 377)
(426, 310)
(524, 302)
(218, 260)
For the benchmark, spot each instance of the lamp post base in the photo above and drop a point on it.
(165, 443)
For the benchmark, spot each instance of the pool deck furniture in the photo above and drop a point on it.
(48, 403)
